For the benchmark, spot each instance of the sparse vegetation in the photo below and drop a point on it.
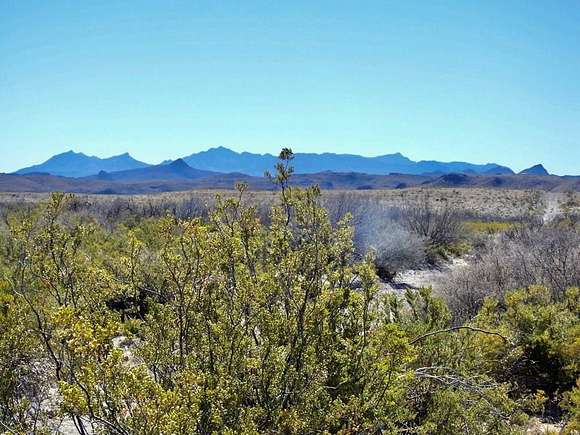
(519, 257)
(245, 313)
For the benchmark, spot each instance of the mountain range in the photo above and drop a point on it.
(221, 168)
(71, 164)
(224, 160)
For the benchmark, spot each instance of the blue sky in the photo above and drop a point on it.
(449, 80)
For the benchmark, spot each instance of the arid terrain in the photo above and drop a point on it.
(501, 203)
(111, 299)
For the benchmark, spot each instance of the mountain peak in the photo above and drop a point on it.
(125, 157)
(179, 164)
(535, 170)
(221, 149)
(69, 153)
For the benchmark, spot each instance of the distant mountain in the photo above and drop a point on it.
(71, 164)
(176, 170)
(132, 185)
(535, 170)
(222, 159)
(499, 170)
(177, 180)
(519, 181)
(225, 160)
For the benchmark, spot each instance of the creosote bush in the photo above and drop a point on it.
(229, 325)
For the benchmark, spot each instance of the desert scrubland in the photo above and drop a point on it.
(416, 310)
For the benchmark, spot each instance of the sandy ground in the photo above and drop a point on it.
(414, 279)
(552, 203)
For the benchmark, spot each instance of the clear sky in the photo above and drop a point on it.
(493, 80)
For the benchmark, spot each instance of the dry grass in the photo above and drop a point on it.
(498, 203)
